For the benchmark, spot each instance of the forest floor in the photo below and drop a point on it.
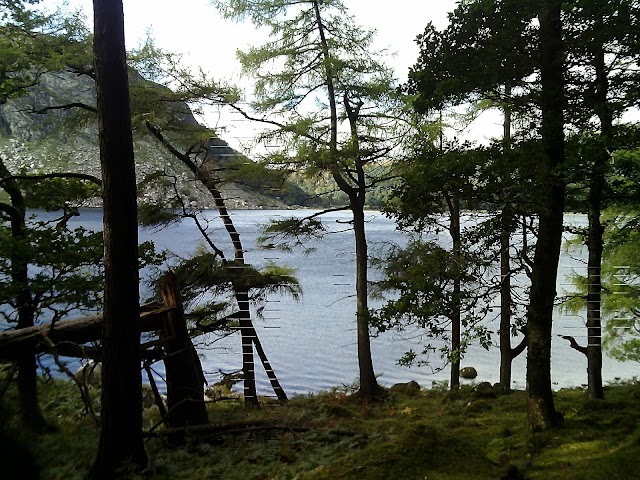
(432, 434)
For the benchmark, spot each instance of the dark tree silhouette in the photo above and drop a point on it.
(542, 413)
(121, 444)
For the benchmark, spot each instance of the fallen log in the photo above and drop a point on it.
(69, 334)
(232, 428)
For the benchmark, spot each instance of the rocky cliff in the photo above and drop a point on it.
(37, 135)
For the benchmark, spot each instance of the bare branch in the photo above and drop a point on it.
(67, 106)
(574, 344)
(44, 176)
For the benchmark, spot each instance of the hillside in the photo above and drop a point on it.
(36, 138)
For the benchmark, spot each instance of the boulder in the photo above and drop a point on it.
(411, 388)
(90, 374)
(469, 373)
(501, 389)
(484, 390)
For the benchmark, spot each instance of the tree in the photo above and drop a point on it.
(618, 300)
(601, 80)
(542, 413)
(202, 159)
(328, 101)
(485, 57)
(510, 32)
(439, 286)
(32, 44)
(601, 50)
(47, 269)
(212, 271)
(121, 444)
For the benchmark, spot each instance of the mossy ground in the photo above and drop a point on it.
(434, 435)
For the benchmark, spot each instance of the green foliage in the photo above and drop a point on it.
(319, 78)
(595, 32)
(487, 45)
(419, 278)
(207, 283)
(168, 86)
(155, 215)
(433, 176)
(621, 277)
(287, 232)
(32, 43)
(65, 274)
(335, 435)
(55, 193)
(621, 167)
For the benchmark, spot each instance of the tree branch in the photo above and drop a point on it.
(574, 344)
(44, 176)
(519, 349)
(67, 106)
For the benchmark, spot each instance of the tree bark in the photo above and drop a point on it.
(246, 335)
(542, 412)
(506, 354)
(281, 395)
(121, 444)
(369, 387)
(595, 241)
(184, 376)
(507, 227)
(453, 202)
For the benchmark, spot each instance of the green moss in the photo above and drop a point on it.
(335, 435)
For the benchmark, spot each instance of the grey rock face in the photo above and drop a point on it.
(19, 118)
(59, 139)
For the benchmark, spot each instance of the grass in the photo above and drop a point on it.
(434, 435)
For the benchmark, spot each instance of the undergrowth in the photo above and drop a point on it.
(333, 435)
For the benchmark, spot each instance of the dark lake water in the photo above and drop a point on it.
(312, 343)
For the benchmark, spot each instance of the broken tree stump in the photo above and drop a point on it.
(184, 376)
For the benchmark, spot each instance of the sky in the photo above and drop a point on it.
(196, 30)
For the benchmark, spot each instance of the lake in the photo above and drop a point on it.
(311, 344)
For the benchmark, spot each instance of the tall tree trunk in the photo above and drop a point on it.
(121, 444)
(595, 234)
(595, 244)
(30, 412)
(506, 355)
(27, 379)
(453, 203)
(507, 228)
(542, 413)
(369, 387)
(247, 332)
